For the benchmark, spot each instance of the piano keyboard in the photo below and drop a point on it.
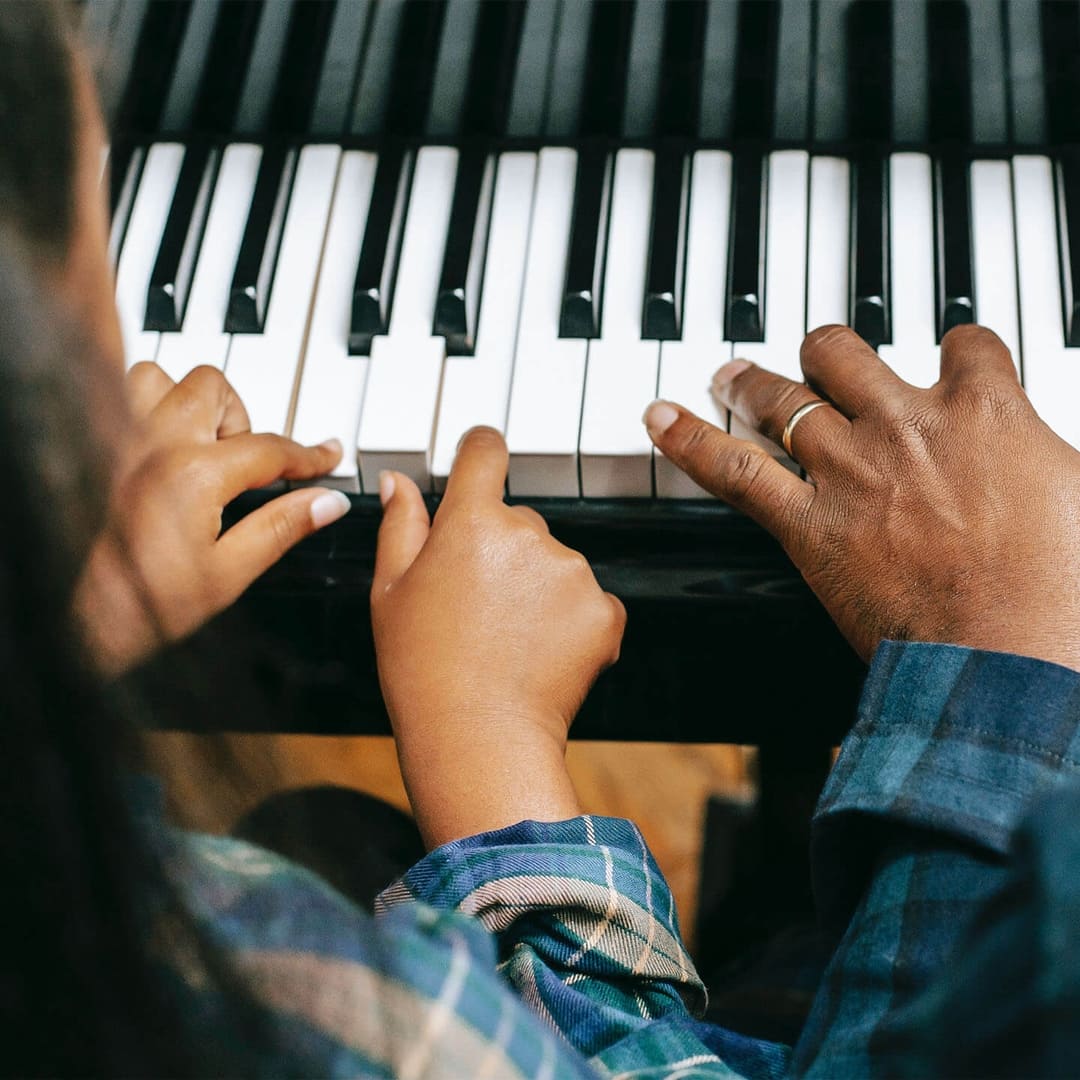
(390, 221)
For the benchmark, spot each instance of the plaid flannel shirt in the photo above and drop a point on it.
(553, 949)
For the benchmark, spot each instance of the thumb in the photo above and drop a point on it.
(403, 532)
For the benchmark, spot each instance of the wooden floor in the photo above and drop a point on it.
(663, 788)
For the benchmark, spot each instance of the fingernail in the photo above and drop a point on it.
(333, 445)
(387, 483)
(328, 507)
(728, 372)
(659, 416)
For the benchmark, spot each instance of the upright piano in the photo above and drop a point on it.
(390, 220)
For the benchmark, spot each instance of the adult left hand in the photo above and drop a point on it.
(950, 514)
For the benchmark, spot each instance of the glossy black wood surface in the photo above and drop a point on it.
(724, 641)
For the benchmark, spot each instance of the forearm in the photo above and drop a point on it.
(915, 826)
(466, 777)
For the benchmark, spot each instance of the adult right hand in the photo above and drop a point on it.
(950, 514)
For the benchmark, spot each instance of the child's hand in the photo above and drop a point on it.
(162, 568)
(489, 634)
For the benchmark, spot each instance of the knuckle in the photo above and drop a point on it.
(283, 531)
(743, 473)
(816, 343)
(969, 336)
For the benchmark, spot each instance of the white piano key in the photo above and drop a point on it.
(1051, 371)
(830, 70)
(785, 278)
(141, 243)
(989, 107)
(910, 67)
(190, 65)
(568, 65)
(332, 386)
(994, 247)
(793, 70)
(373, 89)
(544, 415)
(529, 96)
(476, 389)
(622, 369)
(914, 353)
(202, 338)
(1025, 71)
(718, 68)
(829, 253)
(398, 417)
(452, 68)
(646, 37)
(261, 77)
(263, 368)
(687, 366)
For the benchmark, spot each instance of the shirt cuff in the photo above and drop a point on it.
(586, 892)
(948, 740)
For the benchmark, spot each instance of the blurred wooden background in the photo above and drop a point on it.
(210, 783)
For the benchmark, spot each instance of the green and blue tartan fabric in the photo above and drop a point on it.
(553, 950)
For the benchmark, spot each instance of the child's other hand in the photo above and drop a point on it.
(162, 567)
(489, 634)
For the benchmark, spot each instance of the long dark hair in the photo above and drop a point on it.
(83, 885)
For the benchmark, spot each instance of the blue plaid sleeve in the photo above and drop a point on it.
(588, 935)
(915, 825)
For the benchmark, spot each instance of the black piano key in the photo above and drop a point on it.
(249, 294)
(1060, 25)
(413, 73)
(301, 67)
(662, 313)
(491, 76)
(870, 299)
(755, 68)
(215, 110)
(457, 303)
(579, 313)
(681, 70)
(376, 268)
(121, 153)
(955, 269)
(170, 280)
(869, 51)
(604, 92)
(949, 48)
(1068, 194)
(745, 302)
(151, 72)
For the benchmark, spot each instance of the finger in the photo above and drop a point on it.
(973, 352)
(535, 520)
(203, 405)
(739, 472)
(403, 531)
(766, 402)
(840, 366)
(257, 541)
(146, 386)
(254, 461)
(479, 470)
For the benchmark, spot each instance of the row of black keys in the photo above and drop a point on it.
(580, 314)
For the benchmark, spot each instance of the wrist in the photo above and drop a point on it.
(467, 775)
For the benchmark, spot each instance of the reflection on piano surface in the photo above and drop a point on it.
(390, 220)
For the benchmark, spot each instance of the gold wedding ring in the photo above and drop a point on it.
(796, 416)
